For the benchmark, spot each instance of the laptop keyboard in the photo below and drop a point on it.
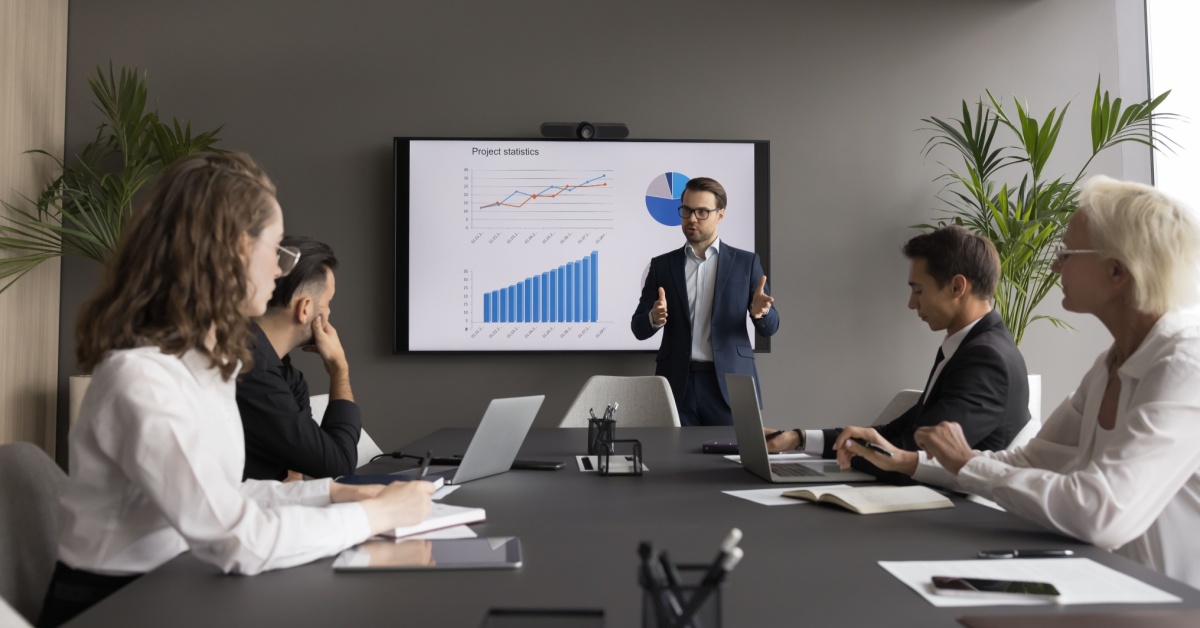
(794, 470)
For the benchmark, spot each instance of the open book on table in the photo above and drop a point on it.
(441, 516)
(870, 500)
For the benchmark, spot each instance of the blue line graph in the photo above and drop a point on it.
(559, 189)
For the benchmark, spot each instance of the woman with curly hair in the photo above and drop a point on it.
(156, 459)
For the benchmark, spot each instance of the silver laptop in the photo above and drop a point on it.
(752, 443)
(496, 441)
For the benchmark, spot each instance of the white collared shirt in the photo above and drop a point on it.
(156, 468)
(949, 346)
(700, 275)
(1134, 489)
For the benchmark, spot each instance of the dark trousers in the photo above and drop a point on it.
(73, 591)
(703, 403)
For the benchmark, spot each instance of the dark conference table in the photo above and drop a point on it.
(809, 565)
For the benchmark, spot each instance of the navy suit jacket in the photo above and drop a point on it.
(738, 274)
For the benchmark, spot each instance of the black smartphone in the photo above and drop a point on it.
(720, 446)
(983, 587)
(536, 465)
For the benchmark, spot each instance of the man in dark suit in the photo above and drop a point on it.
(979, 377)
(282, 439)
(708, 288)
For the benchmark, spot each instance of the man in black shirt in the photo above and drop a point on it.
(282, 439)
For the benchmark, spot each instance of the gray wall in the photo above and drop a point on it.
(316, 90)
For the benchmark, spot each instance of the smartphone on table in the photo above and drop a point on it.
(983, 587)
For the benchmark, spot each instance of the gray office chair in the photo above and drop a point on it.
(28, 525)
(899, 404)
(645, 402)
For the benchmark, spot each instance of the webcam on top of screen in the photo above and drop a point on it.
(585, 130)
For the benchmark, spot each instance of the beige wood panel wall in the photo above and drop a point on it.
(33, 76)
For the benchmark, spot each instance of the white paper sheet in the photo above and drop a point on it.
(774, 496)
(1079, 580)
(618, 464)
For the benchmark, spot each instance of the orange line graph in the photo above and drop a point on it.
(559, 189)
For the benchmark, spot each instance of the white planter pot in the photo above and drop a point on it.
(1035, 398)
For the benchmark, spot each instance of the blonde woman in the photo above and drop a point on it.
(1117, 464)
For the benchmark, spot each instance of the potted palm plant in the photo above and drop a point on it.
(83, 211)
(1025, 220)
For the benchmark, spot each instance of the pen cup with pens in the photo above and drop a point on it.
(706, 614)
(687, 596)
(602, 431)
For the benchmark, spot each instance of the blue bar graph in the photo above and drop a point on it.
(595, 284)
(569, 293)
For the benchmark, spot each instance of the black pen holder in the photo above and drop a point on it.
(605, 459)
(700, 605)
(601, 433)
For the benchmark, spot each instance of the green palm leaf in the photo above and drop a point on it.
(83, 211)
(1025, 223)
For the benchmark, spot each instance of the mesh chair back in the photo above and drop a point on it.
(645, 402)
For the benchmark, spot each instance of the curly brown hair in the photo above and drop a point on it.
(178, 273)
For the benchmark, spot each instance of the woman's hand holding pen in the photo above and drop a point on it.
(399, 504)
(902, 461)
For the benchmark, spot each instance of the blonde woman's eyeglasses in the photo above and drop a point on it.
(1061, 253)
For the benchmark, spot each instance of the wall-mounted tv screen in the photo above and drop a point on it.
(543, 245)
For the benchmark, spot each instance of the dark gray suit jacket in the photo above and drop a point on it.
(984, 387)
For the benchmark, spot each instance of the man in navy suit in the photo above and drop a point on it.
(978, 377)
(708, 288)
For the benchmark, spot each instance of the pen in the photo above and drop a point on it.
(727, 546)
(425, 465)
(1026, 553)
(772, 435)
(872, 446)
(653, 585)
(709, 584)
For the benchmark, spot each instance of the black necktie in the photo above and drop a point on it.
(929, 382)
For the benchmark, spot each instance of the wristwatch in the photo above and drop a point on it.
(801, 439)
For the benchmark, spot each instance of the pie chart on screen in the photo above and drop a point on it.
(662, 197)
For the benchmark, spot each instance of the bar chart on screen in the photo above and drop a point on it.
(567, 294)
(546, 308)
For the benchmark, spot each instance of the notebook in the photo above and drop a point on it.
(752, 443)
(871, 500)
(496, 441)
(442, 516)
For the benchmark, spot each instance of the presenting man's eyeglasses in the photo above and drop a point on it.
(700, 212)
(289, 256)
(1061, 253)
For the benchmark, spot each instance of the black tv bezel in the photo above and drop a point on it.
(400, 257)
